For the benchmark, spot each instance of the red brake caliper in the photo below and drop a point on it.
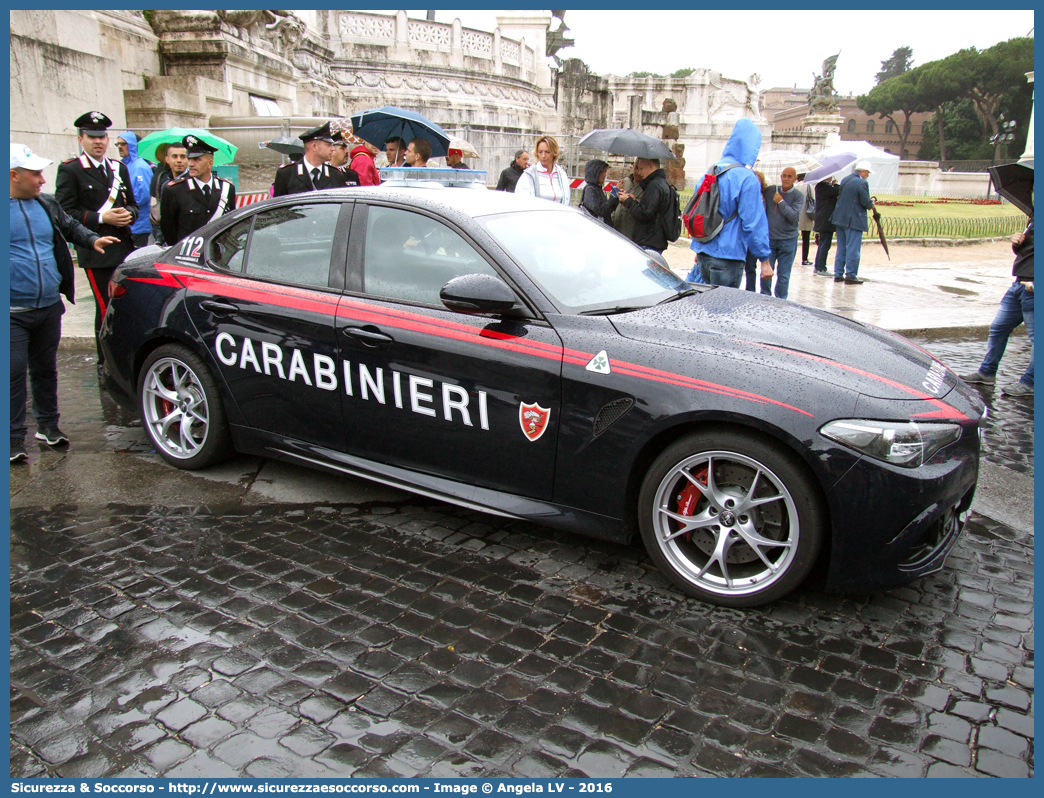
(690, 496)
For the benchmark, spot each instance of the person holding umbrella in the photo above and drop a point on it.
(827, 192)
(650, 213)
(1016, 307)
(545, 179)
(849, 217)
(593, 201)
(175, 156)
(313, 173)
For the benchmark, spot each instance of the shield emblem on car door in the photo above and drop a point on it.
(533, 419)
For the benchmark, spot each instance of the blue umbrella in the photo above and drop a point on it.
(831, 164)
(377, 125)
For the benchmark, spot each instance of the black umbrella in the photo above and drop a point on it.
(285, 145)
(1014, 182)
(626, 141)
(377, 125)
(880, 230)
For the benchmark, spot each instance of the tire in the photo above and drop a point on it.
(181, 409)
(765, 550)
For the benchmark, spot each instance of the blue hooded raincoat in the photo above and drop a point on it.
(141, 179)
(740, 188)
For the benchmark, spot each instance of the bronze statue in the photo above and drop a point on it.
(822, 99)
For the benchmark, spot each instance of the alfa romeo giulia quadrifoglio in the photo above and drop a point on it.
(514, 356)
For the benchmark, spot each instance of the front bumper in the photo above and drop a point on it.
(893, 525)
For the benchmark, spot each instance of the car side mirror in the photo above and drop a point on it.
(478, 293)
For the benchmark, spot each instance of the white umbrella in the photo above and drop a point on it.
(466, 150)
(772, 163)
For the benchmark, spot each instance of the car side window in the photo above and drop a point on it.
(293, 244)
(410, 256)
(228, 248)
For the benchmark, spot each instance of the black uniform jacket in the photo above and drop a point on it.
(184, 209)
(294, 178)
(81, 189)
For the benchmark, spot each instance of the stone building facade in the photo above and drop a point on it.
(857, 126)
(252, 75)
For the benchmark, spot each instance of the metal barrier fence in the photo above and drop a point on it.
(989, 227)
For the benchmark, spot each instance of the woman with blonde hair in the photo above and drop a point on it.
(545, 179)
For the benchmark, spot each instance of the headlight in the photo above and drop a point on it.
(905, 444)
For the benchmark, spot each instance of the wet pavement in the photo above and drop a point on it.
(174, 624)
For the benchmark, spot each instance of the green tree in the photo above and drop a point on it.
(897, 95)
(940, 85)
(998, 73)
(900, 62)
(682, 73)
(965, 134)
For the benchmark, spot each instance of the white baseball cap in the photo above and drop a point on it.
(863, 166)
(24, 158)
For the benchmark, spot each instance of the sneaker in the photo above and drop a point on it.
(806, 263)
(978, 377)
(853, 281)
(839, 279)
(18, 454)
(1017, 389)
(821, 273)
(52, 436)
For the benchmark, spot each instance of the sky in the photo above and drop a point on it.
(785, 47)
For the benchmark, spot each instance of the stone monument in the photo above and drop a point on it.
(824, 116)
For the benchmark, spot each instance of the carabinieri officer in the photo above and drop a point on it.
(95, 191)
(198, 197)
(311, 173)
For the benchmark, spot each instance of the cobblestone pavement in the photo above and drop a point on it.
(415, 638)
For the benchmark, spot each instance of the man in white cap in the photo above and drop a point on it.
(41, 270)
(849, 217)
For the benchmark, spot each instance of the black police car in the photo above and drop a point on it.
(514, 356)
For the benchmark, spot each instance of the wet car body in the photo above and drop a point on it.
(364, 372)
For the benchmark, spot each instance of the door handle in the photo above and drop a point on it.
(368, 335)
(218, 307)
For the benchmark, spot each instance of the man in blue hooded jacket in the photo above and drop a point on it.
(746, 227)
(141, 179)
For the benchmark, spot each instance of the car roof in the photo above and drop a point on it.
(469, 201)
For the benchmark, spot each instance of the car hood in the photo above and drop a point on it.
(771, 333)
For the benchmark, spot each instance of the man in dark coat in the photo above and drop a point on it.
(41, 269)
(509, 177)
(827, 192)
(96, 192)
(313, 173)
(849, 218)
(175, 156)
(1016, 307)
(650, 212)
(191, 201)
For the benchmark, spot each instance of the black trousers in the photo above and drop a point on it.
(825, 240)
(34, 347)
(806, 242)
(99, 280)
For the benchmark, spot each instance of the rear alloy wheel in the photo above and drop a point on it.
(730, 518)
(181, 409)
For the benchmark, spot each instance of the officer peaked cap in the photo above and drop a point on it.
(322, 133)
(196, 146)
(93, 123)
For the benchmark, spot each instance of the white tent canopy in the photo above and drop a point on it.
(884, 175)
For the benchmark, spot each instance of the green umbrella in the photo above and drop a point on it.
(226, 150)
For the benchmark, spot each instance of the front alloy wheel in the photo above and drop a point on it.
(730, 519)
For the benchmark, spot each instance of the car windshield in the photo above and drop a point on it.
(580, 264)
